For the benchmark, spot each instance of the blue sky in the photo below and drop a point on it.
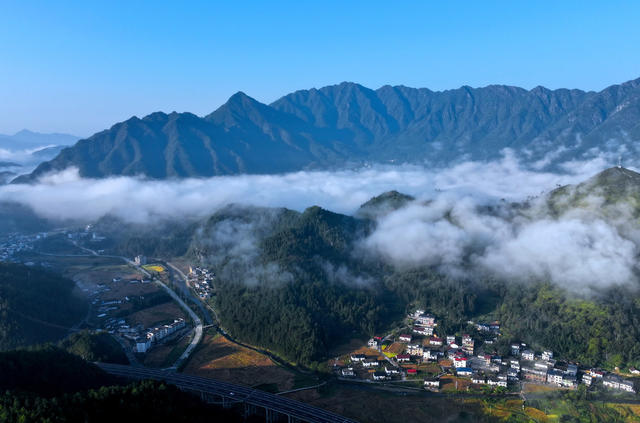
(79, 67)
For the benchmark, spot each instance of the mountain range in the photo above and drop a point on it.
(29, 140)
(349, 124)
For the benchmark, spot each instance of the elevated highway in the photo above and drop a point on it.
(276, 407)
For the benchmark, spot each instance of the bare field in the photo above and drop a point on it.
(166, 354)
(119, 290)
(347, 348)
(153, 315)
(368, 406)
(452, 383)
(218, 358)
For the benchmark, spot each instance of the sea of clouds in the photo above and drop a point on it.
(447, 226)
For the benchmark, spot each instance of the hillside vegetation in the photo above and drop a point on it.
(50, 385)
(100, 347)
(36, 306)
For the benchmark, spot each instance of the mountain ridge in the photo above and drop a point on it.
(348, 123)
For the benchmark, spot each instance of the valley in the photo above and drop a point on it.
(430, 336)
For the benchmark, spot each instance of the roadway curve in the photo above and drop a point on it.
(196, 320)
(230, 393)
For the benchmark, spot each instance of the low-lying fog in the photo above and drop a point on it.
(444, 227)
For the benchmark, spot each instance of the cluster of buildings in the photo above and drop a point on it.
(201, 280)
(373, 367)
(460, 356)
(17, 243)
(157, 334)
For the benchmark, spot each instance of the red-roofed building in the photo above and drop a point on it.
(404, 338)
(403, 357)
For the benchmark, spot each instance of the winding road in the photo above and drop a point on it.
(194, 317)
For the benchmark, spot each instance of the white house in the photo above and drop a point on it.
(415, 349)
(555, 376)
(431, 383)
(460, 362)
(464, 371)
(478, 379)
(527, 355)
(423, 330)
(391, 370)
(379, 376)
(143, 344)
(404, 338)
(547, 355)
(358, 357)
(426, 320)
(347, 372)
(497, 382)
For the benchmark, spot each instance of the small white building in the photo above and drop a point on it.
(404, 338)
(555, 377)
(432, 383)
(347, 372)
(460, 362)
(358, 357)
(528, 355)
(142, 344)
(547, 355)
(379, 376)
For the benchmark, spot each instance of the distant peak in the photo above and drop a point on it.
(25, 132)
(240, 96)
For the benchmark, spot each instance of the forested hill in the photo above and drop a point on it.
(36, 306)
(299, 284)
(48, 384)
(616, 186)
(349, 123)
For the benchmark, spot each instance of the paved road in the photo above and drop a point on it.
(184, 287)
(231, 393)
(196, 320)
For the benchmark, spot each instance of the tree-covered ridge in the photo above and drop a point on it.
(51, 385)
(48, 371)
(94, 347)
(607, 194)
(318, 305)
(599, 331)
(383, 204)
(36, 306)
(333, 292)
(349, 123)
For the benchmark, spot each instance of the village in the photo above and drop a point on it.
(15, 243)
(417, 353)
(465, 362)
(201, 281)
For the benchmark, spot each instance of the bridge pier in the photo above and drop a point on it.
(226, 403)
(270, 415)
(249, 410)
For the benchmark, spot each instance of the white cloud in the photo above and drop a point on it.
(449, 225)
